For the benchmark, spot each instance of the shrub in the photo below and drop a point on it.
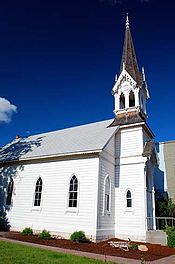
(44, 234)
(133, 246)
(170, 231)
(27, 231)
(165, 207)
(79, 236)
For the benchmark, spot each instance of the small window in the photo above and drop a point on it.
(107, 195)
(38, 192)
(131, 99)
(122, 101)
(9, 192)
(73, 192)
(128, 199)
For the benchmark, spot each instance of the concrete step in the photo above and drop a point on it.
(156, 237)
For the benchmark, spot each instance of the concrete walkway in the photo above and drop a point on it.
(167, 260)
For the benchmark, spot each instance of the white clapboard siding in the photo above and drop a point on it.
(121, 160)
(105, 227)
(130, 222)
(129, 142)
(54, 215)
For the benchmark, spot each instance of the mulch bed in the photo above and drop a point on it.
(154, 252)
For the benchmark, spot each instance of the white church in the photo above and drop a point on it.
(96, 177)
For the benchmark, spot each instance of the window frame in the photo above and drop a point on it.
(122, 101)
(129, 209)
(11, 182)
(37, 207)
(68, 208)
(131, 93)
(128, 199)
(105, 210)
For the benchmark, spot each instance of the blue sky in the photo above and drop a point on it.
(58, 60)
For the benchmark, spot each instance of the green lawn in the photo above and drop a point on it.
(11, 253)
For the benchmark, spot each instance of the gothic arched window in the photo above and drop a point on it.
(131, 99)
(73, 191)
(107, 195)
(9, 192)
(38, 192)
(128, 199)
(122, 101)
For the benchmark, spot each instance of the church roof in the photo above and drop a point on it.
(148, 148)
(80, 139)
(129, 56)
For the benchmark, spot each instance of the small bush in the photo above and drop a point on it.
(27, 231)
(44, 234)
(133, 246)
(79, 236)
(170, 231)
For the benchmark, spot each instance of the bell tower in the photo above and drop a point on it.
(130, 89)
(135, 153)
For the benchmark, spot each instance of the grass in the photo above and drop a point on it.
(11, 253)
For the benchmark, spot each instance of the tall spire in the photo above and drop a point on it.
(130, 96)
(129, 60)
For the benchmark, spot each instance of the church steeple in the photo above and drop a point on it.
(129, 60)
(130, 89)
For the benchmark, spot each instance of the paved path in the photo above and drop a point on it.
(167, 260)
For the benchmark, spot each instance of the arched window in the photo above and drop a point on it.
(107, 194)
(131, 99)
(128, 199)
(38, 192)
(73, 191)
(122, 101)
(9, 192)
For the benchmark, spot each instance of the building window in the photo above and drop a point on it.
(9, 192)
(128, 199)
(122, 101)
(131, 99)
(107, 194)
(73, 192)
(38, 192)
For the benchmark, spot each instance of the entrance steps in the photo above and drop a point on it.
(156, 237)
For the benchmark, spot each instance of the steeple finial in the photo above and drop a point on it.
(129, 57)
(127, 21)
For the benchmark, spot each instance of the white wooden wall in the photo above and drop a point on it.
(121, 160)
(54, 214)
(130, 222)
(105, 223)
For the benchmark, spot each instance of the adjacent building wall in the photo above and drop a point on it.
(165, 172)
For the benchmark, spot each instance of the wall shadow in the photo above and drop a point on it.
(9, 169)
(159, 180)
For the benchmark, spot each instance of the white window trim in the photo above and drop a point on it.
(129, 209)
(105, 212)
(34, 207)
(6, 194)
(73, 209)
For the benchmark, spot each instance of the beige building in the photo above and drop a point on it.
(165, 173)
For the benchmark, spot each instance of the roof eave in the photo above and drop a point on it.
(55, 156)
